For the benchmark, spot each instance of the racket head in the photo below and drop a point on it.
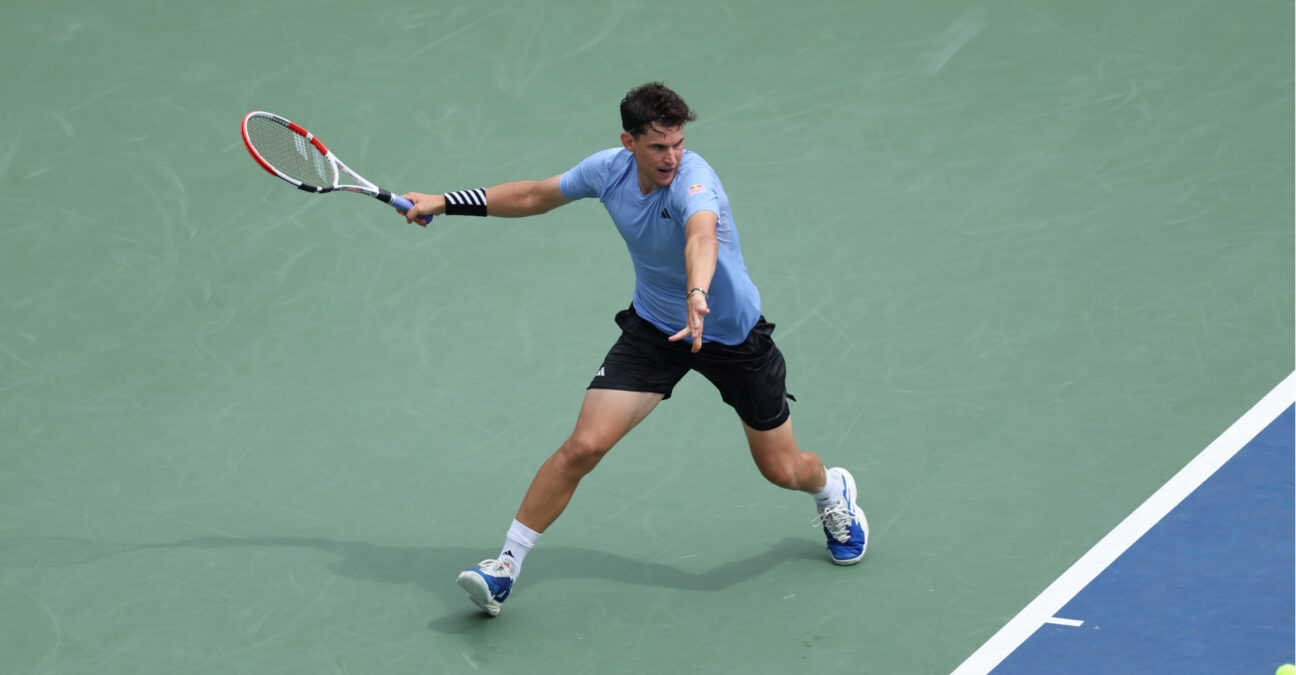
(286, 150)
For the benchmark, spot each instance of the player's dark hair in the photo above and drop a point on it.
(653, 103)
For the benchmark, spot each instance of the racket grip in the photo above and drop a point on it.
(402, 204)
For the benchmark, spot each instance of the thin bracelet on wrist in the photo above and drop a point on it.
(695, 290)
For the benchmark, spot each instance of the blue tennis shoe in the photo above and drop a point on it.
(488, 585)
(843, 521)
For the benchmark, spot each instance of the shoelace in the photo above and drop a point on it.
(836, 520)
(495, 568)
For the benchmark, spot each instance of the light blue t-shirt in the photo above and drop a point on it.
(653, 228)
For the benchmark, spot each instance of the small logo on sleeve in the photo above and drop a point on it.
(697, 189)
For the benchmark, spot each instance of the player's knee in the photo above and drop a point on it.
(582, 452)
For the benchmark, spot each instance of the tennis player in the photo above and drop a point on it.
(694, 308)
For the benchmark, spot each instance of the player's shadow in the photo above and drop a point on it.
(431, 568)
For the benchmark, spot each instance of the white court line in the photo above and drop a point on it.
(1044, 607)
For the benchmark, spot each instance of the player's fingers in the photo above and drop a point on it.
(697, 334)
(413, 213)
(680, 335)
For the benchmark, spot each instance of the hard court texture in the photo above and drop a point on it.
(1026, 259)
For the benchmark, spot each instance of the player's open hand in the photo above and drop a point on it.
(697, 310)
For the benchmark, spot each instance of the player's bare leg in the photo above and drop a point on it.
(606, 416)
(782, 463)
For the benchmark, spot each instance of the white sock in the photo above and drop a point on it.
(517, 544)
(830, 492)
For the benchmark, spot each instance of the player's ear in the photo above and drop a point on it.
(627, 140)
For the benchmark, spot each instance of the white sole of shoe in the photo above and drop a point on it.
(475, 586)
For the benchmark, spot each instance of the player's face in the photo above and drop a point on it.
(657, 154)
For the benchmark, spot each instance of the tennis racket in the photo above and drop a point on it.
(286, 150)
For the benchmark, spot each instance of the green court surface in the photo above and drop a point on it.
(1026, 258)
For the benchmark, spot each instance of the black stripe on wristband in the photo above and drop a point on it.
(466, 202)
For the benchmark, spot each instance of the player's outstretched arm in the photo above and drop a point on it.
(700, 251)
(508, 200)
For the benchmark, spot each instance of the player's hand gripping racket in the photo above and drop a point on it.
(290, 152)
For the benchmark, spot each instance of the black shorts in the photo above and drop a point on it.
(751, 376)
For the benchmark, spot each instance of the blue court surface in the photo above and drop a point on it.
(1206, 586)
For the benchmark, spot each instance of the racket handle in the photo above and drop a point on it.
(402, 204)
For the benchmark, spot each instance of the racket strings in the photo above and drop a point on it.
(289, 152)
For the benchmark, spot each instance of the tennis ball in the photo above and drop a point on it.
(1286, 669)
